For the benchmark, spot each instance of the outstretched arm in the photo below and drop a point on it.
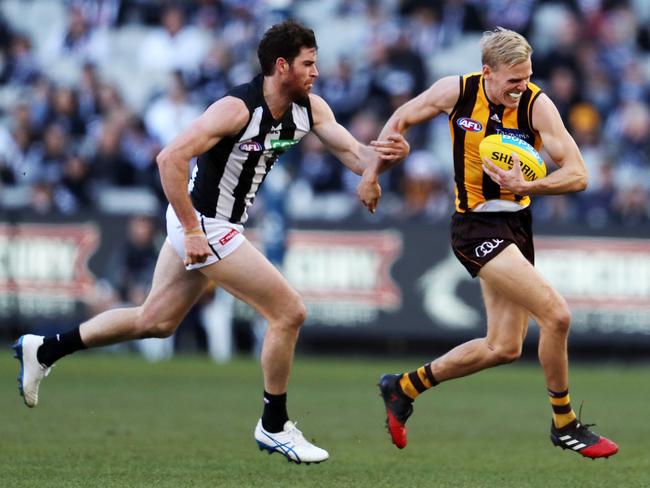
(572, 175)
(356, 156)
(225, 117)
(440, 97)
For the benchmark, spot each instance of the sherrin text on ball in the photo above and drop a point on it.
(498, 148)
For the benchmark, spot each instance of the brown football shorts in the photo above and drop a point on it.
(477, 237)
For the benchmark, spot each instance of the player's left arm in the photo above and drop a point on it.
(572, 173)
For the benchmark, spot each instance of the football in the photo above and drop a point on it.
(498, 148)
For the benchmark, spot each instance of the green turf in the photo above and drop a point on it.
(118, 421)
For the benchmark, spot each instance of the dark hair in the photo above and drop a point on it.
(284, 40)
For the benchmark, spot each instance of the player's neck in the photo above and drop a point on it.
(275, 96)
(491, 97)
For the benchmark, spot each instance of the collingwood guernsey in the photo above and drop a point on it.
(227, 177)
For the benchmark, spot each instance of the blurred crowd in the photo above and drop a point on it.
(88, 101)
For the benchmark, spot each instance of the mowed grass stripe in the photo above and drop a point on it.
(118, 421)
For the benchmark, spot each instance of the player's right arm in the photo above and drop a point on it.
(439, 97)
(224, 117)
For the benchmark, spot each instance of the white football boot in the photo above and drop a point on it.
(31, 371)
(290, 443)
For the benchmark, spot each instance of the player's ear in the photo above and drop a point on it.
(281, 65)
(487, 71)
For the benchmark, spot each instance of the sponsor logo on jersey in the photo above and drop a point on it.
(250, 146)
(224, 240)
(283, 144)
(469, 125)
(487, 247)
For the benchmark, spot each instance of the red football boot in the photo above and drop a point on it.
(399, 408)
(579, 438)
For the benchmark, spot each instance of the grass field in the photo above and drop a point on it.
(117, 421)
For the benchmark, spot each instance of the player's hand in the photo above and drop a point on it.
(512, 179)
(395, 148)
(369, 191)
(197, 249)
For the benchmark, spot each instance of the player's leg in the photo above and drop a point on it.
(174, 290)
(506, 328)
(511, 275)
(249, 276)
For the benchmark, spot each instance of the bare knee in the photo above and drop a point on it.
(504, 353)
(151, 324)
(292, 313)
(296, 312)
(558, 318)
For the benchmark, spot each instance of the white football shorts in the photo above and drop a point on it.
(223, 236)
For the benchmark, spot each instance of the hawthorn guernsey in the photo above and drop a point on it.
(498, 148)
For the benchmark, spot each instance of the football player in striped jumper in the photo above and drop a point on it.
(237, 140)
(491, 232)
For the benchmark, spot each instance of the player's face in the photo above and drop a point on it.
(506, 84)
(302, 73)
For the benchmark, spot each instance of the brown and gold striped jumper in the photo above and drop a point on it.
(475, 117)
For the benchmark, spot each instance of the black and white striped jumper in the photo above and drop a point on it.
(226, 178)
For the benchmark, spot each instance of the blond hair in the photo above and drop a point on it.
(504, 46)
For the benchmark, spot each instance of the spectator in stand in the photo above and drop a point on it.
(511, 14)
(39, 104)
(109, 164)
(20, 67)
(74, 192)
(316, 166)
(424, 30)
(585, 125)
(425, 193)
(135, 260)
(88, 93)
(174, 45)
(563, 89)
(628, 134)
(616, 39)
(65, 111)
(346, 89)
(79, 40)
(41, 198)
(140, 150)
(634, 84)
(564, 50)
(241, 28)
(172, 112)
(53, 153)
(22, 158)
(212, 78)
(458, 17)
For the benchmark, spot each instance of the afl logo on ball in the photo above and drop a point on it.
(250, 146)
(469, 125)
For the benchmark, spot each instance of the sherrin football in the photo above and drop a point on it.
(498, 148)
